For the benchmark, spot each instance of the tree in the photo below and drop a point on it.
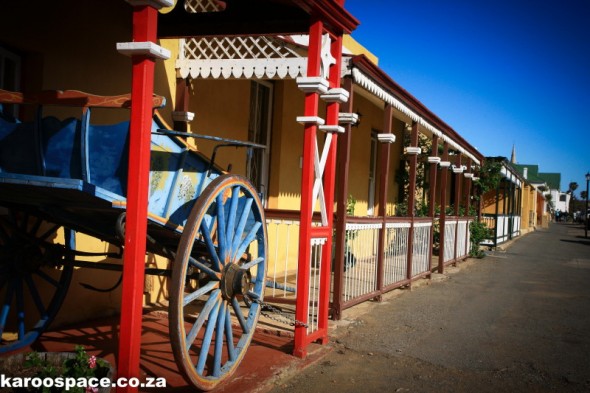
(490, 176)
(550, 205)
(573, 186)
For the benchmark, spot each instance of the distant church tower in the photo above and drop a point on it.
(513, 156)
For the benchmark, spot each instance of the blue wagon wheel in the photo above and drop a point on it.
(34, 276)
(221, 259)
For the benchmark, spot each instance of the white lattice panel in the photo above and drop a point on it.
(196, 6)
(243, 47)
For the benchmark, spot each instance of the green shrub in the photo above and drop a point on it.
(478, 232)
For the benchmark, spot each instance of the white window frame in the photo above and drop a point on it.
(7, 55)
(265, 164)
(372, 174)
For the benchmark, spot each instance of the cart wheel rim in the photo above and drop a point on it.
(224, 240)
(34, 277)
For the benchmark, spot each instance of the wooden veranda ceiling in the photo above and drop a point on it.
(256, 17)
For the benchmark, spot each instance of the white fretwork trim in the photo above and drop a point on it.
(143, 48)
(434, 160)
(468, 175)
(353, 226)
(332, 128)
(236, 69)
(348, 118)
(363, 80)
(386, 138)
(412, 150)
(312, 84)
(152, 3)
(398, 225)
(183, 116)
(444, 164)
(310, 120)
(475, 178)
(339, 95)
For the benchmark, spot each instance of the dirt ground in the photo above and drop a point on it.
(517, 320)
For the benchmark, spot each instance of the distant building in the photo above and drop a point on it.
(549, 184)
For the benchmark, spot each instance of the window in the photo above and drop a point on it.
(562, 198)
(257, 160)
(10, 65)
(372, 175)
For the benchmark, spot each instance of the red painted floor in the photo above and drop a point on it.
(267, 360)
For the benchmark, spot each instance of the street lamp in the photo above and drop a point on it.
(586, 212)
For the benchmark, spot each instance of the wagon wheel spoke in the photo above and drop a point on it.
(200, 292)
(6, 306)
(20, 310)
(229, 337)
(231, 220)
(34, 279)
(208, 336)
(228, 219)
(207, 308)
(240, 315)
(242, 224)
(206, 233)
(205, 269)
(221, 232)
(36, 297)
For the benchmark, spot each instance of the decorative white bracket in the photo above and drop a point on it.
(183, 116)
(412, 150)
(146, 48)
(386, 138)
(332, 128)
(326, 55)
(348, 118)
(458, 169)
(444, 164)
(434, 160)
(475, 178)
(313, 84)
(318, 121)
(339, 95)
(468, 175)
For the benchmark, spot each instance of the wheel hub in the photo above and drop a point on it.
(21, 257)
(235, 281)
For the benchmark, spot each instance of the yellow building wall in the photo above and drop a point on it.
(525, 209)
(222, 109)
(51, 62)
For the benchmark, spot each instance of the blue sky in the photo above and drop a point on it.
(498, 72)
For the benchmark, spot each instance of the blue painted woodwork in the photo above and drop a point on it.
(75, 153)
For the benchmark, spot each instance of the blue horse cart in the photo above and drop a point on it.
(60, 175)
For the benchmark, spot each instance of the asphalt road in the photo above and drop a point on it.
(514, 321)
